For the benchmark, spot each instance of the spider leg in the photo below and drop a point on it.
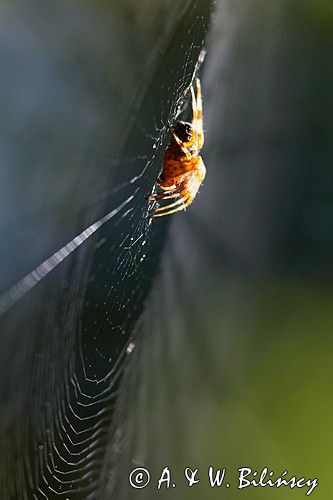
(194, 116)
(179, 192)
(170, 192)
(198, 124)
(177, 209)
(163, 196)
(193, 140)
(171, 205)
(182, 194)
(169, 196)
(154, 196)
(166, 191)
(181, 145)
(167, 188)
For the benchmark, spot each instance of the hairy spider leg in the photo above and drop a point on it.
(199, 125)
(180, 195)
(183, 206)
(172, 193)
(197, 128)
(167, 197)
(164, 196)
(185, 150)
(167, 190)
(158, 195)
(171, 205)
(194, 118)
(194, 125)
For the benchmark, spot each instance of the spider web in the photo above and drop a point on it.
(86, 126)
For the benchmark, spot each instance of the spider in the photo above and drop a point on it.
(183, 169)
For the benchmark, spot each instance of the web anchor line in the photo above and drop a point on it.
(22, 287)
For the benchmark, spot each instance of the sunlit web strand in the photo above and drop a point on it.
(17, 291)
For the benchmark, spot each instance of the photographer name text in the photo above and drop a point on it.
(139, 478)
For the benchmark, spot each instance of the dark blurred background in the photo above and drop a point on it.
(203, 338)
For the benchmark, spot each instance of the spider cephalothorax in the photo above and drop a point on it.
(183, 130)
(183, 169)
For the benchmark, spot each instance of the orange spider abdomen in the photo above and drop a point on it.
(175, 166)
